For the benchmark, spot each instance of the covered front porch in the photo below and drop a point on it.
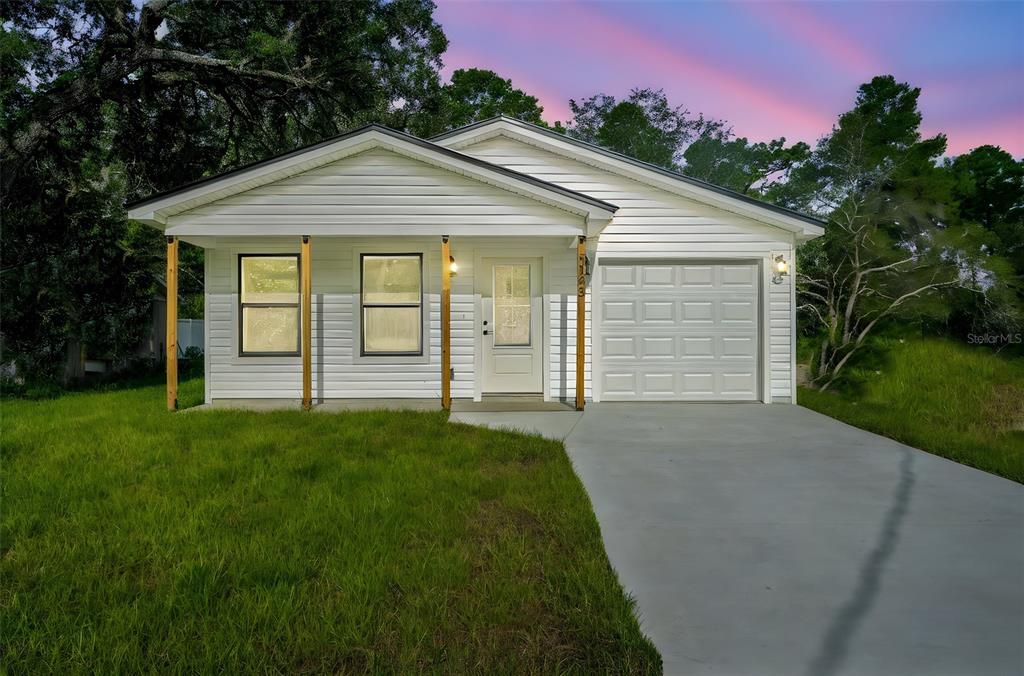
(497, 328)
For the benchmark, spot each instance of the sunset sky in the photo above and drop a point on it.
(769, 68)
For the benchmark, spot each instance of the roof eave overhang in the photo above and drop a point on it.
(803, 228)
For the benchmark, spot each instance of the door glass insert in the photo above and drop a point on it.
(512, 305)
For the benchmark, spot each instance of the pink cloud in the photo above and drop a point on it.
(1006, 132)
(671, 61)
(950, 88)
(615, 47)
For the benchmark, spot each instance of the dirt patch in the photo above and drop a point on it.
(494, 467)
(493, 527)
(531, 635)
(1006, 408)
(494, 519)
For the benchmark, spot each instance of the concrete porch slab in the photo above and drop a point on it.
(487, 405)
(551, 424)
(493, 404)
(325, 406)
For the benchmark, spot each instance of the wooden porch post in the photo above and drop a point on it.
(307, 324)
(172, 323)
(581, 301)
(446, 325)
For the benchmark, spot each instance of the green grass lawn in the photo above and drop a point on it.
(221, 541)
(961, 402)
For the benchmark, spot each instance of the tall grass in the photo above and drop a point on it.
(134, 540)
(961, 402)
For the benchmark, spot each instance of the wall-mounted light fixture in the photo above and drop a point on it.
(453, 267)
(586, 266)
(780, 268)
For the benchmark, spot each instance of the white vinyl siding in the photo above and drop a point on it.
(654, 224)
(384, 192)
(781, 341)
(376, 189)
(338, 371)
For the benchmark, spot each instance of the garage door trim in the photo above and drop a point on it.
(600, 330)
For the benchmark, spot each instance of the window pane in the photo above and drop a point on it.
(270, 329)
(270, 279)
(391, 329)
(512, 325)
(391, 279)
(521, 280)
(512, 305)
(502, 282)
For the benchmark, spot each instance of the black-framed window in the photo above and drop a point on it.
(391, 300)
(268, 305)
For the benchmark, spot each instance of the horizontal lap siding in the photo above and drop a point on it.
(561, 305)
(381, 187)
(373, 188)
(780, 348)
(653, 224)
(337, 371)
(376, 188)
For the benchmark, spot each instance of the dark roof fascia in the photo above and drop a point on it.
(638, 163)
(448, 152)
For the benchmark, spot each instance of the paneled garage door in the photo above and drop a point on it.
(679, 331)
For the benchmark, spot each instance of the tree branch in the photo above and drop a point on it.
(804, 279)
(882, 268)
(157, 55)
(814, 294)
(859, 342)
(812, 308)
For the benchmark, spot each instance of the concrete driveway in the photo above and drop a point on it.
(774, 540)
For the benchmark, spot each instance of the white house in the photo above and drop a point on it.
(380, 265)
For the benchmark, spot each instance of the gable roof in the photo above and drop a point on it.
(805, 226)
(155, 209)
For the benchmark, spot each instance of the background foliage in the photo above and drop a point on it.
(105, 102)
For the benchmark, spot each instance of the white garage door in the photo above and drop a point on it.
(679, 331)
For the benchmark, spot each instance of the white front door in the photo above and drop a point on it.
(511, 321)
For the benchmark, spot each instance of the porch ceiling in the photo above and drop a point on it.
(190, 232)
(570, 236)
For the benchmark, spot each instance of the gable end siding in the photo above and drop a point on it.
(376, 188)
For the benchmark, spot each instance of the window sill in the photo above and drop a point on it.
(268, 359)
(391, 359)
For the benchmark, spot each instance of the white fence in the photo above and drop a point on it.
(190, 334)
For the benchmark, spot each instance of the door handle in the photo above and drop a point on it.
(486, 332)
